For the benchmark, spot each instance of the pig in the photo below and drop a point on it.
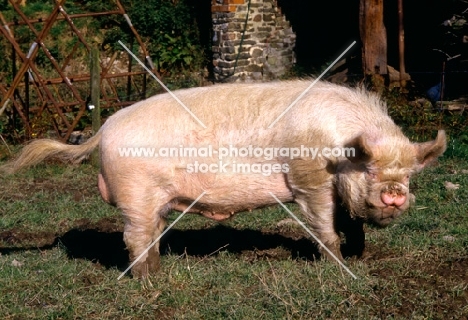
(336, 191)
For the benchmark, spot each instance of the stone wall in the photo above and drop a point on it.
(252, 40)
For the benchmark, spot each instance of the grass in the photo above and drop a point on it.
(61, 252)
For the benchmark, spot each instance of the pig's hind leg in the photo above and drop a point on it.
(145, 219)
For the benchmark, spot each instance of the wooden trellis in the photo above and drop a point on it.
(34, 92)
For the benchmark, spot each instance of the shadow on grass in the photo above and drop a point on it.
(108, 248)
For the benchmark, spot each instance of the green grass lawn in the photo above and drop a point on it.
(61, 252)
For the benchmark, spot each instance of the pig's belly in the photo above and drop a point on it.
(227, 195)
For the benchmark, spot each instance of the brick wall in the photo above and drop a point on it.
(251, 41)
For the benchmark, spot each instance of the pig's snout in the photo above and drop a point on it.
(393, 196)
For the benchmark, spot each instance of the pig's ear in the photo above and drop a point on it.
(361, 149)
(427, 152)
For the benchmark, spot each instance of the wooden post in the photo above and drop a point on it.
(26, 103)
(374, 41)
(143, 90)
(95, 98)
(13, 73)
(129, 70)
(26, 94)
(401, 45)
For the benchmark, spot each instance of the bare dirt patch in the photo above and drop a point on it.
(17, 237)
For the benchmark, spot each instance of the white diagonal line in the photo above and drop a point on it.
(162, 85)
(310, 86)
(313, 235)
(162, 234)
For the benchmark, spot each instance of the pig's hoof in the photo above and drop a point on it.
(353, 249)
(142, 269)
(332, 254)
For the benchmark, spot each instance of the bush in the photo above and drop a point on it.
(169, 29)
(421, 120)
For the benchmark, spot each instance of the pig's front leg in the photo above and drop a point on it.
(312, 184)
(353, 230)
(318, 208)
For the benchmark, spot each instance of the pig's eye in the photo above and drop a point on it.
(371, 175)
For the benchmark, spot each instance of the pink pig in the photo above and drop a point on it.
(336, 192)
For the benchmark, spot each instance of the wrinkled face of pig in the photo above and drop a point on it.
(374, 184)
